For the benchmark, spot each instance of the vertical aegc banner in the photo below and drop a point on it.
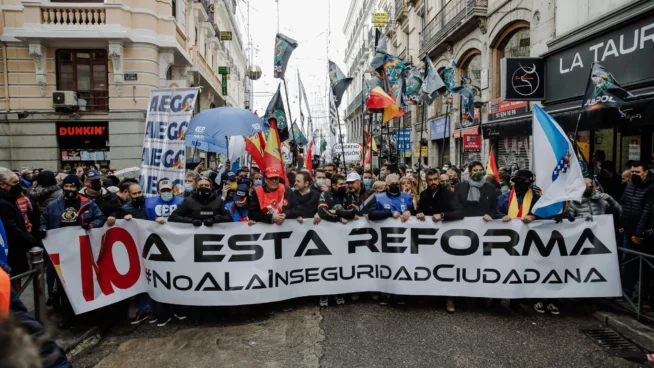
(164, 153)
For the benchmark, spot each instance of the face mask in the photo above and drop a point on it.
(521, 187)
(204, 193)
(635, 179)
(513, 169)
(16, 190)
(321, 182)
(453, 181)
(138, 200)
(233, 186)
(445, 186)
(367, 183)
(341, 192)
(394, 188)
(167, 196)
(70, 194)
(478, 176)
(188, 188)
(96, 185)
(257, 183)
(241, 205)
(588, 193)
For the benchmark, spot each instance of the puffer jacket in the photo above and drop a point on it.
(635, 209)
(44, 195)
(598, 204)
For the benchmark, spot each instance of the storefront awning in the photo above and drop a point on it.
(637, 111)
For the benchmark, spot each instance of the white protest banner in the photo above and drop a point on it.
(164, 152)
(352, 151)
(236, 264)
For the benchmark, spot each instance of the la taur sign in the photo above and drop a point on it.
(627, 52)
(523, 79)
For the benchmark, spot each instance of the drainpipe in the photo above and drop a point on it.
(6, 74)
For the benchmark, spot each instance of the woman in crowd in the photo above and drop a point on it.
(45, 189)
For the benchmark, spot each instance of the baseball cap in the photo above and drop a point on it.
(352, 177)
(165, 184)
(524, 174)
(241, 194)
(228, 176)
(272, 172)
(93, 175)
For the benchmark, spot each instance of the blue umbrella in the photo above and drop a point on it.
(212, 126)
(204, 146)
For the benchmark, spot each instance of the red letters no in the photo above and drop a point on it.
(105, 268)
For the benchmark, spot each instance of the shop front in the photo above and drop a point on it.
(464, 130)
(82, 144)
(507, 133)
(439, 135)
(626, 50)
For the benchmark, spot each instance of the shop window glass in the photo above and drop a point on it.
(604, 142)
(517, 45)
(85, 72)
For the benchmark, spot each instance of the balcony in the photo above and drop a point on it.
(354, 105)
(455, 20)
(401, 11)
(73, 16)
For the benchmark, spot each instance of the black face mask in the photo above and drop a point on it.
(96, 185)
(341, 192)
(636, 179)
(521, 187)
(16, 190)
(204, 193)
(394, 189)
(70, 194)
(138, 200)
(588, 193)
(454, 181)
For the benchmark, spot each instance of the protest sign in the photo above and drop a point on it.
(164, 153)
(352, 151)
(237, 264)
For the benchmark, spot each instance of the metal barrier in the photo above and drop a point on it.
(629, 257)
(37, 277)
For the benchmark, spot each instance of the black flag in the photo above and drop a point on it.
(602, 90)
(284, 47)
(276, 111)
(338, 82)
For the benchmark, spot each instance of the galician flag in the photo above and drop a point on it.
(555, 165)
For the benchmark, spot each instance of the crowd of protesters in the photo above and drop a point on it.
(33, 201)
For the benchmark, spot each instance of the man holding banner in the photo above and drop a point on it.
(273, 202)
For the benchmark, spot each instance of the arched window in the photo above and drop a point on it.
(470, 67)
(513, 41)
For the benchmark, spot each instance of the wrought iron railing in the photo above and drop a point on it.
(448, 17)
(36, 276)
(637, 269)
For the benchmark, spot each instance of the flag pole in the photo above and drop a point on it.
(447, 129)
(363, 125)
(340, 137)
(581, 110)
(290, 121)
(422, 130)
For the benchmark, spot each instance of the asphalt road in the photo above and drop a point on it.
(361, 335)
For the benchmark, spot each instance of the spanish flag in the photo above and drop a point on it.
(380, 101)
(255, 145)
(272, 154)
(308, 158)
(491, 167)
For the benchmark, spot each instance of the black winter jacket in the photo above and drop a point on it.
(443, 201)
(192, 208)
(307, 204)
(332, 207)
(108, 203)
(487, 204)
(636, 208)
(19, 240)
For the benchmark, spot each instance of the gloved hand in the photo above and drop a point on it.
(589, 218)
(197, 222)
(558, 218)
(208, 222)
(43, 234)
(87, 226)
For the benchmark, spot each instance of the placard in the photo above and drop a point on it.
(472, 143)
(352, 151)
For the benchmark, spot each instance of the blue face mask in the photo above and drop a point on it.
(257, 183)
(241, 205)
(167, 196)
(367, 183)
(188, 188)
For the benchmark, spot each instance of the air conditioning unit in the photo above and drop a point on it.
(64, 98)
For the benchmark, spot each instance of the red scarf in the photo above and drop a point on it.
(274, 199)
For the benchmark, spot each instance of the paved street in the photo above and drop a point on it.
(361, 335)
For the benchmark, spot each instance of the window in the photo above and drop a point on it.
(84, 71)
(173, 4)
(513, 41)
